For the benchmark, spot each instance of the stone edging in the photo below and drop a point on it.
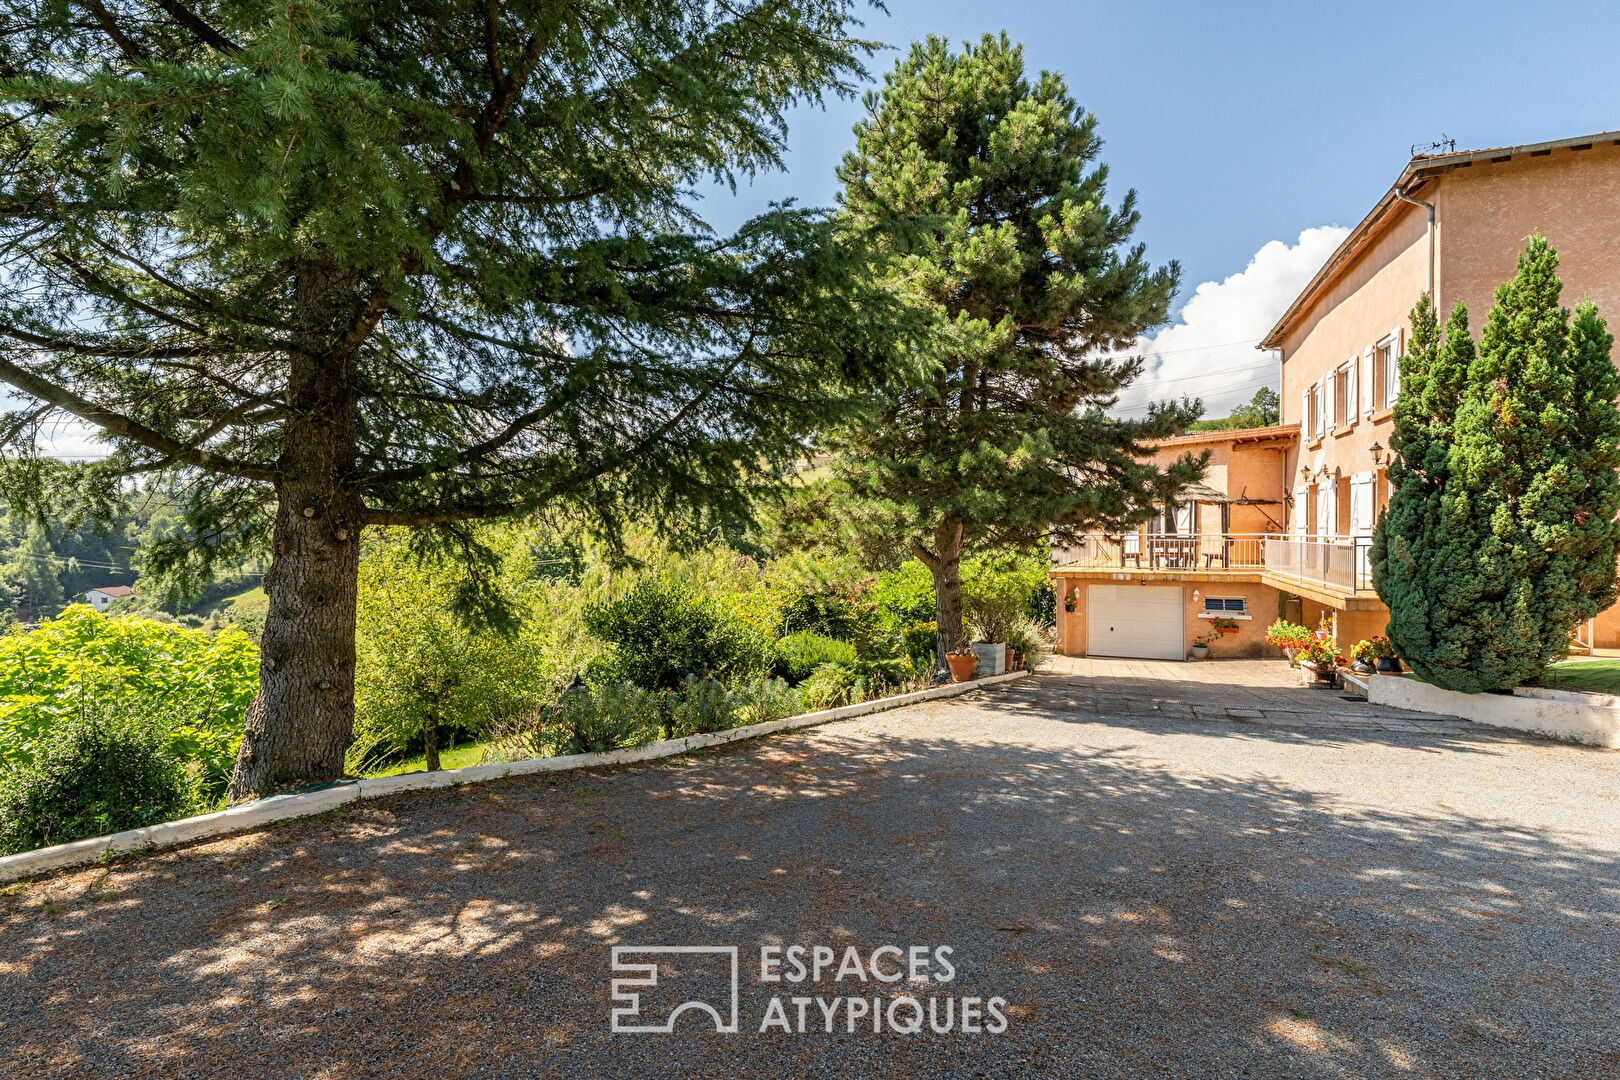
(1590, 719)
(262, 812)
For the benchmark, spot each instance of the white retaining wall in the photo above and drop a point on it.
(1591, 719)
(261, 812)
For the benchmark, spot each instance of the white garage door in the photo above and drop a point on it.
(1135, 620)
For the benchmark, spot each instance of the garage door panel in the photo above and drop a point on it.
(1146, 621)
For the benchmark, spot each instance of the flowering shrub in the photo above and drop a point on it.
(1319, 651)
(1287, 635)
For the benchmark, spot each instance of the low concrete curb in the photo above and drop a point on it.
(263, 812)
(1590, 719)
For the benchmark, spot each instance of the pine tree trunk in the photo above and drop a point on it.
(300, 723)
(944, 562)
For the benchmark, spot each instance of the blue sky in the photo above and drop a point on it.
(1240, 124)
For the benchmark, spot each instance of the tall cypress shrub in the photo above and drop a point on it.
(1492, 558)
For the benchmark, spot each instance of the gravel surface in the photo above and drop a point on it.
(1322, 889)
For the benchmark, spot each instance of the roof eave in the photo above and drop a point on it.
(1418, 171)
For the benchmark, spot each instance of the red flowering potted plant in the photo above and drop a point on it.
(1319, 658)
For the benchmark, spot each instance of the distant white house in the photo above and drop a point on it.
(103, 598)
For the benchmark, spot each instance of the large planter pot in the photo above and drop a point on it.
(962, 667)
(1290, 654)
(1389, 665)
(1200, 652)
(1361, 667)
(1228, 630)
(992, 657)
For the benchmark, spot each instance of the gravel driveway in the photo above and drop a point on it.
(1339, 892)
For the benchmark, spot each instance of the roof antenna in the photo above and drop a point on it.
(1444, 144)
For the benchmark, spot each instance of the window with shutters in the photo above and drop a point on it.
(1313, 412)
(1386, 373)
(1344, 410)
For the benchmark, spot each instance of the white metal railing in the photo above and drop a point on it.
(1344, 562)
(1166, 551)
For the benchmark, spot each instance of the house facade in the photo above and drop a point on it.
(105, 597)
(1453, 224)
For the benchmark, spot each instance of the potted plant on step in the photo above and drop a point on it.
(1289, 637)
(1319, 659)
(962, 661)
(1363, 655)
(1383, 655)
(1201, 644)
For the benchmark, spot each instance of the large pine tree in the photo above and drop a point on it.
(414, 263)
(1030, 278)
(1492, 560)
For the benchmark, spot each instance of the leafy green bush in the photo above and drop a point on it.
(661, 633)
(1031, 640)
(762, 700)
(905, 596)
(797, 655)
(583, 720)
(998, 591)
(199, 684)
(113, 767)
(922, 645)
(832, 685)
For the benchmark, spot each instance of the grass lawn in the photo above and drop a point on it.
(1592, 676)
(470, 754)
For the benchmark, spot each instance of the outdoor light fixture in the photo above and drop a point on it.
(1304, 472)
(1377, 453)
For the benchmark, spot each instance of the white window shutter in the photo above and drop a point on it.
(1361, 500)
(1324, 504)
(1368, 393)
(1352, 388)
(1327, 403)
(1300, 502)
(1394, 364)
(1305, 413)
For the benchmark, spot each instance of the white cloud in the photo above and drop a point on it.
(61, 436)
(1209, 351)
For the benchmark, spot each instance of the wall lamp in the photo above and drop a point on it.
(1377, 453)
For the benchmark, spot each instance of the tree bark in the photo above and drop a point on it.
(944, 562)
(300, 723)
(430, 742)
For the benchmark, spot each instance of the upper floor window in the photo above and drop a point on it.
(1344, 409)
(1313, 411)
(1386, 372)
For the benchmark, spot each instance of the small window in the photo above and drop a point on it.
(1225, 605)
(1342, 411)
(1314, 412)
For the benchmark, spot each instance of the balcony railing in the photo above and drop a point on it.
(1342, 562)
(1167, 551)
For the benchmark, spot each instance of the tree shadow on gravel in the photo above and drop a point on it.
(1138, 922)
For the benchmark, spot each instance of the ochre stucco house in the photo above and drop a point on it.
(1454, 223)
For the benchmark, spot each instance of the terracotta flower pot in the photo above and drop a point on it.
(962, 667)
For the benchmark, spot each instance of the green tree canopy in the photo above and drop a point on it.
(1501, 536)
(415, 263)
(1262, 410)
(1028, 275)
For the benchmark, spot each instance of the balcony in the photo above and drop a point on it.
(1331, 569)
